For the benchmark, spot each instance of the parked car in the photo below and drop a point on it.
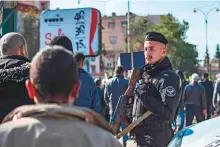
(203, 134)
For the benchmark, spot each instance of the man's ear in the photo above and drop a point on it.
(31, 90)
(22, 51)
(164, 51)
(75, 90)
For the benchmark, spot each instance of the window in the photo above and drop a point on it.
(109, 65)
(124, 24)
(113, 39)
(111, 25)
(93, 69)
(93, 59)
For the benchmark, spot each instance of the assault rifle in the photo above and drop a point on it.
(120, 111)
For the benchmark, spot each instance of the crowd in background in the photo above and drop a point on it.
(199, 98)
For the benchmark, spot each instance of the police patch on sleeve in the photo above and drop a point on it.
(170, 91)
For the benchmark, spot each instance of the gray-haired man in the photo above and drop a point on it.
(195, 101)
(14, 71)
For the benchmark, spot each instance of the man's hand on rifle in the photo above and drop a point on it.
(135, 77)
(119, 115)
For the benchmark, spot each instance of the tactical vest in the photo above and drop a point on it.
(147, 88)
(141, 92)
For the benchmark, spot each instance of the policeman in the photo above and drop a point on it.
(159, 92)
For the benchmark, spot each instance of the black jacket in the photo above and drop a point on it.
(114, 88)
(159, 92)
(14, 71)
(209, 88)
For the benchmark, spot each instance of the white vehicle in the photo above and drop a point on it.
(203, 134)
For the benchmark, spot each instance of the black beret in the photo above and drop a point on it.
(155, 36)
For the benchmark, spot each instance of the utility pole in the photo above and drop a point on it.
(129, 36)
(206, 14)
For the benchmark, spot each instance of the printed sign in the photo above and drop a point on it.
(82, 26)
(138, 57)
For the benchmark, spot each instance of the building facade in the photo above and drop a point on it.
(114, 36)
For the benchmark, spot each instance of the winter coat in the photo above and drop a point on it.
(52, 125)
(14, 71)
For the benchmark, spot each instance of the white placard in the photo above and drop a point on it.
(82, 26)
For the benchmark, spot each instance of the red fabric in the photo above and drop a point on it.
(94, 22)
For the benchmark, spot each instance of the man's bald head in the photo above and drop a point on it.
(53, 72)
(12, 43)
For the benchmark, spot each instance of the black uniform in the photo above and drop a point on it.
(159, 92)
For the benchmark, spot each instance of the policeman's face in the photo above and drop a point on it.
(154, 51)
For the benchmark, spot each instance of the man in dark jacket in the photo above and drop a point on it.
(14, 71)
(88, 94)
(115, 87)
(195, 101)
(98, 83)
(209, 88)
(159, 92)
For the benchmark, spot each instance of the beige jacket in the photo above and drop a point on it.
(54, 125)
